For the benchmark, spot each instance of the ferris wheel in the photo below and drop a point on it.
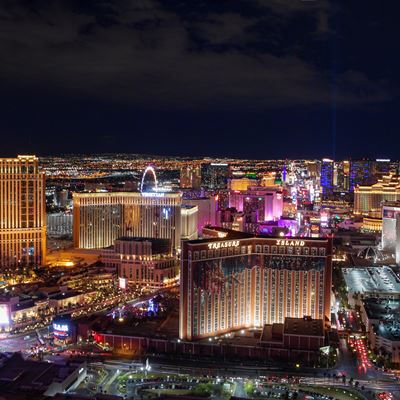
(149, 169)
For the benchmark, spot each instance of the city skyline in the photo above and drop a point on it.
(199, 199)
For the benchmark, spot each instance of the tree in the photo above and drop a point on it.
(249, 388)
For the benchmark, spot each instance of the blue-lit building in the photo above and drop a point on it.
(361, 173)
(327, 168)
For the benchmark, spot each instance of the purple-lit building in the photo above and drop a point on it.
(265, 203)
(207, 209)
(283, 227)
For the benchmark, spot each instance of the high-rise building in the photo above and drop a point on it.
(190, 177)
(207, 210)
(215, 175)
(382, 167)
(313, 168)
(327, 176)
(263, 203)
(100, 218)
(22, 212)
(391, 228)
(361, 173)
(367, 198)
(244, 281)
(341, 181)
(61, 198)
(189, 215)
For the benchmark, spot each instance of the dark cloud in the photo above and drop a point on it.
(264, 56)
(181, 52)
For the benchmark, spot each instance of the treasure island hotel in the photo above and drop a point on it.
(244, 281)
(22, 212)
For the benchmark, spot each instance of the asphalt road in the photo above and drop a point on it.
(19, 343)
(239, 390)
(240, 373)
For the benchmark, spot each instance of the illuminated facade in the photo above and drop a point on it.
(59, 224)
(341, 176)
(22, 212)
(242, 183)
(269, 179)
(391, 228)
(360, 173)
(244, 281)
(260, 203)
(327, 172)
(100, 218)
(215, 175)
(382, 167)
(367, 198)
(189, 216)
(372, 224)
(190, 177)
(143, 262)
(207, 211)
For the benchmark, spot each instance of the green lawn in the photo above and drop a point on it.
(142, 375)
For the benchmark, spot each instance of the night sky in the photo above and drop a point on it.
(238, 78)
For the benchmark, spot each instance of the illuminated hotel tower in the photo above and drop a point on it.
(243, 281)
(22, 212)
(100, 218)
(367, 198)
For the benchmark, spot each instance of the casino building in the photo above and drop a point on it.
(100, 218)
(368, 198)
(244, 281)
(143, 262)
(22, 212)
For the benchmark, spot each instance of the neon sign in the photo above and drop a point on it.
(152, 194)
(220, 245)
(287, 242)
(61, 327)
(122, 283)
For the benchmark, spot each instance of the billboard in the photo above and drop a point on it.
(4, 315)
(62, 327)
(122, 283)
(60, 330)
(390, 214)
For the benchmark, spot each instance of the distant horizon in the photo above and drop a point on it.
(195, 157)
